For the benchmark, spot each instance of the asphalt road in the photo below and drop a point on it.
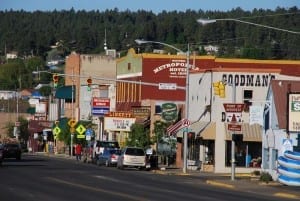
(42, 178)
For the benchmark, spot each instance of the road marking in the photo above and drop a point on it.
(215, 183)
(287, 195)
(97, 189)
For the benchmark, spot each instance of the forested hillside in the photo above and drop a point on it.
(32, 33)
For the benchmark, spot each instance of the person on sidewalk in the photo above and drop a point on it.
(78, 151)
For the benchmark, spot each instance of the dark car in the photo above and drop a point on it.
(12, 150)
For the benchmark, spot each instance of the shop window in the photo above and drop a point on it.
(247, 96)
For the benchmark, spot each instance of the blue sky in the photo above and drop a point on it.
(149, 5)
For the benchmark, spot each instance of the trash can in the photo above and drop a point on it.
(154, 161)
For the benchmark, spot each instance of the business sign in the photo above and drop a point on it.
(167, 86)
(294, 112)
(234, 127)
(256, 115)
(101, 102)
(118, 124)
(100, 106)
(100, 111)
(233, 111)
(234, 107)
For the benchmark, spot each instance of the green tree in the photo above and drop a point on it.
(23, 129)
(139, 136)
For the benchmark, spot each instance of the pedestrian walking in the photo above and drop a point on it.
(78, 151)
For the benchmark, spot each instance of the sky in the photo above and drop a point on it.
(155, 6)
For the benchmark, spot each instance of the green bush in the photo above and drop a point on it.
(265, 177)
(256, 173)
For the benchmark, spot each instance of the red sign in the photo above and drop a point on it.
(234, 127)
(234, 107)
(101, 102)
(183, 123)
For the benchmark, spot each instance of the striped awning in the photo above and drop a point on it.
(251, 133)
(198, 127)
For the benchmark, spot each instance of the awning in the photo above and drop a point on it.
(198, 127)
(65, 92)
(251, 133)
(209, 133)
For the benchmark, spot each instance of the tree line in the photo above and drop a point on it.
(33, 33)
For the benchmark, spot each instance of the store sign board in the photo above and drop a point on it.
(234, 107)
(118, 124)
(294, 112)
(234, 127)
(101, 102)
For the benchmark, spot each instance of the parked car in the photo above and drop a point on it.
(103, 145)
(12, 150)
(132, 157)
(1, 154)
(109, 157)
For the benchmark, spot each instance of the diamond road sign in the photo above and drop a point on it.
(56, 130)
(80, 129)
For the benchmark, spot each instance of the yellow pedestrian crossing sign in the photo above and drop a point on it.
(56, 130)
(80, 129)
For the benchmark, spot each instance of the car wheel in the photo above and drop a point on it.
(98, 163)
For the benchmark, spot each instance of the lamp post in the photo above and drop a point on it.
(186, 93)
(209, 21)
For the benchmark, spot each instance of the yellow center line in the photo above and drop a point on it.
(97, 189)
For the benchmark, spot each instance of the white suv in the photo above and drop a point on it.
(132, 157)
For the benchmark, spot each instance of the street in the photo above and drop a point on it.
(48, 178)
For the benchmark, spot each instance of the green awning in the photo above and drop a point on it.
(65, 92)
(31, 110)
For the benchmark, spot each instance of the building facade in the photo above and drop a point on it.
(158, 81)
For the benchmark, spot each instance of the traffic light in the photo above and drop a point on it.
(89, 83)
(216, 88)
(222, 89)
(55, 80)
(219, 89)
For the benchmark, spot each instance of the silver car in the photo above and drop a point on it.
(132, 157)
(109, 157)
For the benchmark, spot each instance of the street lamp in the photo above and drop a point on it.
(138, 41)
(186, 93)
(209, 21)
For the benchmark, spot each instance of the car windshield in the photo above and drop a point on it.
(14, 146)
(115, 151)
(135, 152)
